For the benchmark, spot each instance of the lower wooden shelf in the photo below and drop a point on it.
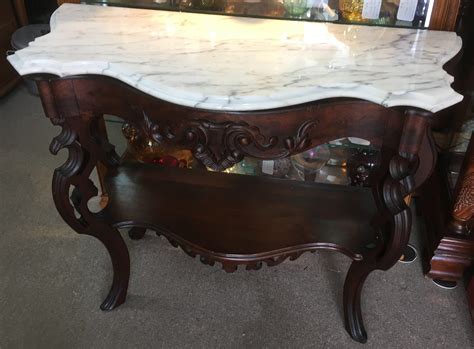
(241, 218)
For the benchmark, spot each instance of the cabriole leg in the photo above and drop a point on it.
(75, 173)
(353, 285)
(86, 148)
(398, 184)
(121, 266)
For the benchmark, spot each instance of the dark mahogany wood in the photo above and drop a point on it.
(462, 220)
(445, 14)
(230, 219)
(449, 249)
(266, 218)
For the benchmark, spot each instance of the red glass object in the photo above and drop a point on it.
(168, 161)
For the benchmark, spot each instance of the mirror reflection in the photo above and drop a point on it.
(401, 13)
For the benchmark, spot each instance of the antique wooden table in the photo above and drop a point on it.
(225, 88)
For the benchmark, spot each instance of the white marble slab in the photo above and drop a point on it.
(234, 63)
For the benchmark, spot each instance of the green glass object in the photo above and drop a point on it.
(295, 8)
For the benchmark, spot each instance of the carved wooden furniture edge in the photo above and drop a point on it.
(64, 106)
(230, 262)
(455, 252)
(451, 258)
(463, 208)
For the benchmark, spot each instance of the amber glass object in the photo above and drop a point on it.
(147, 150)
(352, 10)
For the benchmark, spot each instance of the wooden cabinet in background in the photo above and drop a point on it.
(8, 25)
(446, 201)
(445, 14)
(20, 12)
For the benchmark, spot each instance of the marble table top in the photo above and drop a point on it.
(234, 63)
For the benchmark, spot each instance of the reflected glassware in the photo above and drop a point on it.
(143, 149)
(311, 161)
(361, 165)
(352, 10)
(321, 11)
(295, 8)
(276, 168)
(207, 3)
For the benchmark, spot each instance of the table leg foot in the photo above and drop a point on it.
(120, 258)
(112, 301)
(355, 278)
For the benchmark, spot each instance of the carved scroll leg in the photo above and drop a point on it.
(353, 285)
(87, 147)
(90, 224)
(399, 232)
(398, 184)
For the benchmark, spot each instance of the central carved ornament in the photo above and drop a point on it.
(220, 145)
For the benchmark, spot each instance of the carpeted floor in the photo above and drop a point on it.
(53, 280)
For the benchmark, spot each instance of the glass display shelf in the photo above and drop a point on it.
(400, 13)
(346, 161)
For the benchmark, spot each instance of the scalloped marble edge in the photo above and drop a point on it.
(247, 103)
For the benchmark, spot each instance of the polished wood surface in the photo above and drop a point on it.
(230, 219)
(252, 219)
(462, 221)
(449, 220)
(445, 14)
(20, 11)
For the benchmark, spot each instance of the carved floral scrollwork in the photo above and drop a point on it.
(235, 135)
(217, 145)
(464, 206)
(85, 151)
(220, 145)
(302, 140)
(231, 265)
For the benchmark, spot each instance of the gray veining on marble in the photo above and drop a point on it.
(234, 63)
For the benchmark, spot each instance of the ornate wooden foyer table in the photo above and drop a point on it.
(225, 88)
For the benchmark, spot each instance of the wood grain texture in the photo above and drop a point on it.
(444, 15)
(452, 257)
(20, 12)
(463, 207)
